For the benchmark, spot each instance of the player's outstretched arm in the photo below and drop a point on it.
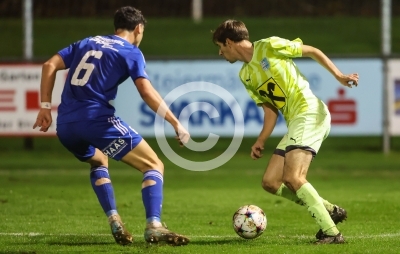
(49, 71)
(321, 58)
(270, 117)
(157, 104)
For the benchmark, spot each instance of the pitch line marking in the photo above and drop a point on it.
(31, 234)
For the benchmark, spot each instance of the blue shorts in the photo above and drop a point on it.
(113, 137)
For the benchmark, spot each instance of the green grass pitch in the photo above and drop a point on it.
(47, 204)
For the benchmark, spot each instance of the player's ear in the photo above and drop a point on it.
(139, 29)
(228, 42)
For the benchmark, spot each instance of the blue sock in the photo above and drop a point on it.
(152, 195)
(104, 191)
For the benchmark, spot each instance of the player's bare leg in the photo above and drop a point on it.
(272, 182)
(102, 186)
(143, 158)
(295, 171)
(272, 179)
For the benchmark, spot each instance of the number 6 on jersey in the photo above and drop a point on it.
(89, 67)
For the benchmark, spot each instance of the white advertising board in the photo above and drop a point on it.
(356, 111)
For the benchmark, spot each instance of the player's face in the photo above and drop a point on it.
(226, 52)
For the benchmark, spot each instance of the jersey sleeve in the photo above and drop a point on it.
(136, 66)
(67, 54)
(286, 47)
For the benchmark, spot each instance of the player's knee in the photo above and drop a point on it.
(289, 180)
(270, 185)
(160, 166)
(154, 164)
(98, 163)
(293, 182)
(99, 159)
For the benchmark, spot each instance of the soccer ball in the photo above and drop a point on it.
(249, 221)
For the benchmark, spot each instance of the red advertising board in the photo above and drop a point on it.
(343, 110)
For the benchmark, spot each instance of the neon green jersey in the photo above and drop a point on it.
(271, 76)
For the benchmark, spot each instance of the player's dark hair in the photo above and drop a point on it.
(234, 30)
(128, 18)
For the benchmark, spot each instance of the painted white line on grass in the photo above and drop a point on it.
(387, 235)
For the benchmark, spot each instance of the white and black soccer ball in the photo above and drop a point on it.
(249, 221)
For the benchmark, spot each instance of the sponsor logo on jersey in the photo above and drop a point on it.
(114, 147)
(264, 64)
(106, 42)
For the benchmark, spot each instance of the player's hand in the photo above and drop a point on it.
(43, 119)
(182, 135)
(256, 150)
(348, 80)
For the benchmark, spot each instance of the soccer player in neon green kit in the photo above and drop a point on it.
(274, 82)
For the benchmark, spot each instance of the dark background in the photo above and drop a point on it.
(211, 8)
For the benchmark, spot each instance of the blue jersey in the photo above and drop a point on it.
(97, 65)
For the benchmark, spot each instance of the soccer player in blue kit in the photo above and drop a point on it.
(88, 128)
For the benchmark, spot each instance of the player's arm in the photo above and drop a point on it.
(322, 59)
(270, 117)
(49, 71)
(157, 104)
